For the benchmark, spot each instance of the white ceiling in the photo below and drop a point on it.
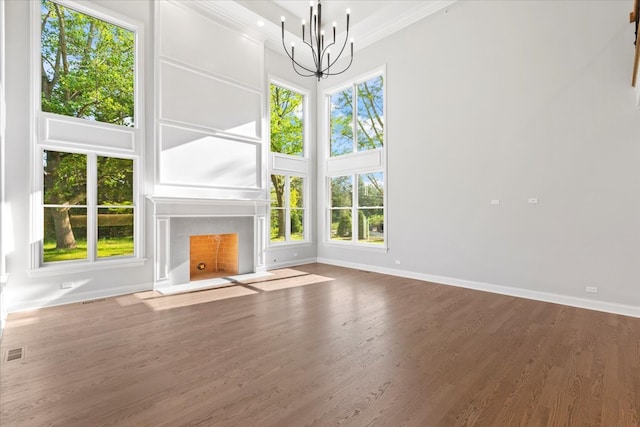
(371, 20)
(334, 10)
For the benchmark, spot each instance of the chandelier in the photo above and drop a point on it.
(321, 52)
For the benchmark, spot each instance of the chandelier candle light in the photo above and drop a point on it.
(321, 53)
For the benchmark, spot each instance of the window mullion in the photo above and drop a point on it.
(354, 118)
(354, 208)
(287, 208)
(92, 206)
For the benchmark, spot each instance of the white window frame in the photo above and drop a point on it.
(55, 132)
(352, 164)
(290, 166)
(287, 210)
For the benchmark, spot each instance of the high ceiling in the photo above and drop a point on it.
(371, 20)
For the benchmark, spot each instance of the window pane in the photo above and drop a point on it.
(370, 114)
(341, 191)
(278, 226)
(65, 178)
(341, 129)
(277, 191)
(295, 195)
(287, 113)
(65, 234)
(115, 232)
(370, 226)
(297, 224)
(341, 224)
(87, 69)
(115, 181)
(370, 190)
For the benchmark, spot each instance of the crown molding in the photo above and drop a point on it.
(384, 26)
(376, 27)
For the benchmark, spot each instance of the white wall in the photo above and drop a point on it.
(3, 243)
(509, 101)
(210, 107)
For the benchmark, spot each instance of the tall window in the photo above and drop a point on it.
(356, 163)
(88, 72)
(289, 165)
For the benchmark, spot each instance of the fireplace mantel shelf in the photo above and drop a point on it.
(183, 206)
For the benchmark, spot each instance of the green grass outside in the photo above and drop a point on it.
(294, 237)
(122, 246)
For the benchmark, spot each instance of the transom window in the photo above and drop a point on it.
(287, 121)
(87, 66)
(365, 102)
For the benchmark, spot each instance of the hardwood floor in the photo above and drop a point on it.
(347, 348)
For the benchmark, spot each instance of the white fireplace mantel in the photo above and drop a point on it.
(165, 208)
(184, 207)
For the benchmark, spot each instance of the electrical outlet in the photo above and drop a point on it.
(495, 202)
(397, 262)
(66, 285)
(532, 200)
(591, 289)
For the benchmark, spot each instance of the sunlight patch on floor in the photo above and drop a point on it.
(168, 302)
(291, 282)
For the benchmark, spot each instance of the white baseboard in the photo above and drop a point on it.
(608, 307)
(292, 263)
(77, 297)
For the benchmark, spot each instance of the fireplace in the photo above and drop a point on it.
(238, 226)
(213, 255)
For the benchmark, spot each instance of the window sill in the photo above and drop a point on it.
(289, 244)
(66, 268)
(362, 247)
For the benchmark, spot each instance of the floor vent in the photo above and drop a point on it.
(93, 300)
(15, 354)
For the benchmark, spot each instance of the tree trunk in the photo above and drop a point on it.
(64, 233)
(278, 184)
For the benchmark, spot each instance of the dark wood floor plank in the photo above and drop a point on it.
(346, 347)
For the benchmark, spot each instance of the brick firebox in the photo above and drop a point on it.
(213, 255)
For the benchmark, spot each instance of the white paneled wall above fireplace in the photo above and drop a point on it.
(209, 109)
